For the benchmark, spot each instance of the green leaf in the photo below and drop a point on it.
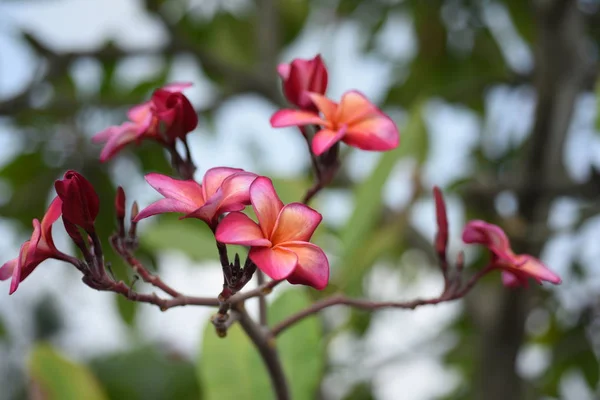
(191, 237)
(230, 368)
(147, 373)
(300, 346)
(60, 378)
(368, 202)
(127, 309)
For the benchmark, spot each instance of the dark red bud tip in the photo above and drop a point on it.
(441, 239)
(120, 203)
(135, 210)
(80, 202)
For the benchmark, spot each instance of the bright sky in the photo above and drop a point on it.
(93, 326)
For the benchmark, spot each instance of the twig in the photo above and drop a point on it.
(262, 301)
(262, 290)
(364, 304)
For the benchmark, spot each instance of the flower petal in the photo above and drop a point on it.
(283, 118)
(236, 190)
(119, 138)
(177, 86)
(213, 179)
(489, 235)
(277, 263)
(376, 133)
(313, 266)
(188, 192)
(354, 107)
(266, 204)
(513, 280)
(283, 70)
(52, 214)
(238, 228)
(140, 112)
(534, 268)
(326, 106)
(164, 206)
(7, 269)
(326, 138)
(296, 222)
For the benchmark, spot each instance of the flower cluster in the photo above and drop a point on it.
(354, 120)
(168, 116)
(279, 236)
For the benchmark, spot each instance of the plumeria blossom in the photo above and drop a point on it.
(34, 251)
(301, 77)
(354, 120)
(167, 116)
(516, 268)
(222, 190)
(279, 243)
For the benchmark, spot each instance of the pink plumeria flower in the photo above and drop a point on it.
(301, 77)
(279, 243)
(516, 268)
(355, 121)
(168, 106)
(34, 251)
(222, 190)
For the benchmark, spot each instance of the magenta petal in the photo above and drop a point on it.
(177, 86)
(188, 192)
(236, 191)
(534, 268)
(283, 118)
(326, 138)
(313, 266)
(121, 137)
(511, 280)
(213, 179)
(140, 112)
(296, 222)
(238, 228)
(7, 269)
(164, 206)
(489, 235)
(266, 204)
(283, 70)
(277, 263)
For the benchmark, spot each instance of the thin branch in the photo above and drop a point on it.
(262, 301)
(370, 305)
(261, 291)
(140, 270)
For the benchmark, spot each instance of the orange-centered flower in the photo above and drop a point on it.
(355, 121)
(279, 243)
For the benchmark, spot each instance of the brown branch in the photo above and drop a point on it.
(266, 347)
(370, 305)
(262, 301)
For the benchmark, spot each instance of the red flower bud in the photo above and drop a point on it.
(80, 201)
(301, 77)
(175, 112)
(441, 238)
(120, 203)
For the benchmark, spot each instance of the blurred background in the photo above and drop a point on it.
(495, 101)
